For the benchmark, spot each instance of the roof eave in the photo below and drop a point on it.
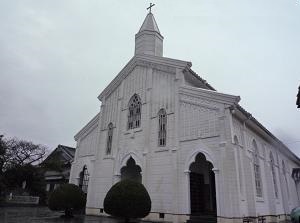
(283, 148)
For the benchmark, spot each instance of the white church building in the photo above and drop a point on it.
(200, 155)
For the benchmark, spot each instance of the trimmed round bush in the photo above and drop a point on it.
(67, 197)
(295, 215)
(127, 199)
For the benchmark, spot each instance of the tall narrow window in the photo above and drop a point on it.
(257, 174)
(239, 160)
(162, 125)
(109, 138)
(134, 113)
(285, 179)
(273, 174)
(84, 179)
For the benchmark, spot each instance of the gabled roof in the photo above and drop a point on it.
(203, 82)
(88, 126)
(252, 122)
(66, 153)
(150, 60)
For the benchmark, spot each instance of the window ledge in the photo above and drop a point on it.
(161, 149)
(130, 131)
(109, 157)
(260, 199)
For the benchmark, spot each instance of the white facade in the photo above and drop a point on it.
(199, 121)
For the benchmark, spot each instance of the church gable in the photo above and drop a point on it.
(110, 109)
(200, 112)
(152, 85)
(135, 83)
(157, 63)
(163, 92)
(151, 78)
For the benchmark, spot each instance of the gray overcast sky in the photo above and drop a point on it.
(57, 56)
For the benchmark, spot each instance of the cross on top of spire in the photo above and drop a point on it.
(149, 8)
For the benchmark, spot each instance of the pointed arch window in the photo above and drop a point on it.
(272, 164)
(109, 138)
(84, 179)
(134, 113)
(162, 125)
(285, 179)
(257, 173)
(236, 142)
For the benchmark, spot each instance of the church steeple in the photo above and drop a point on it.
(149, 40)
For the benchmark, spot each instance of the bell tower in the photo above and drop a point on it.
(148, 40)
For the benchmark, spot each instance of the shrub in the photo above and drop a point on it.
(67, 197)
(295, 215)
(127, 199)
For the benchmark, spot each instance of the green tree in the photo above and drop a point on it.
(21, 152)
(18, 163)
(127, 199)
(32, 175)
(67, 198)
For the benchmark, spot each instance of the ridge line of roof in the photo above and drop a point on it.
(87, 126)
(280, 143)
(202, 80)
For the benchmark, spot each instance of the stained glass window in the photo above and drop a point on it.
(134, 113)
(162, 124)
(257, 174)
(109, 138)
(273, 174)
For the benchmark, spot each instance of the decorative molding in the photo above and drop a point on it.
(200, 103)
(123, 157)
(156, 66)
(132, 131)
(161, 150)
(209, 94)
(192, 157)
(192, 99)
(159, 63)
(106, 157)
(193, 139)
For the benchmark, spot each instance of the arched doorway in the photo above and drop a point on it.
(202, 187)
(131, 171)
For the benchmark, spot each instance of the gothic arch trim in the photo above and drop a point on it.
(123, 162)
(192, 157)
(189, 160)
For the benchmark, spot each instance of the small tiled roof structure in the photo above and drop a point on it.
(65, 156)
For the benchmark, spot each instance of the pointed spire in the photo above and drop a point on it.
(149, 40)
(149, 24)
